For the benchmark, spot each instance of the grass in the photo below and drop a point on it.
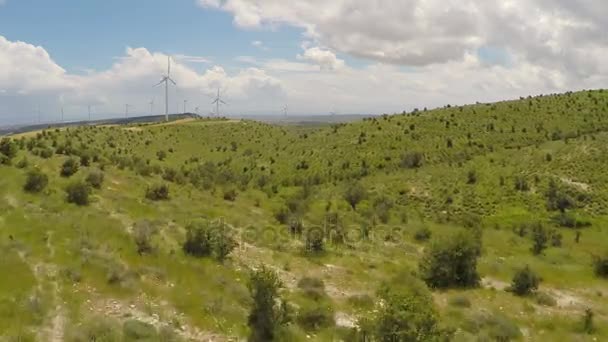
(91, 260)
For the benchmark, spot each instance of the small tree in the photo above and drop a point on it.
(540, 238)
(451, 261)
(524, 282)
(588, 325)
(36, 181)
(158, 192)
(406, 316)
(143, 233)
(223, 243)
(69, 167)
(521, 183)
(78, 193)
(472, 177)
(199, 240)
(266, 314)
(8, 150)
(412, 160)
(355, 194)
(95, 179)
(314, 240)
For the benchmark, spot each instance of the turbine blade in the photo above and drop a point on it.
(161, 82)
(223, 102)
(172, 81)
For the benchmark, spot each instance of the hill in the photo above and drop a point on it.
(126, 232)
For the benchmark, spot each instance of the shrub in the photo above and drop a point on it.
(318, 316)
(452, 261)
(545, 299)
(355, 194)
(460, 301)
(22, 163)
(406, 316)
(314, 241)
(422, 234)
(524, 282)
(230, 195)
(143, 233)
(204, 239)
(313, 288)
(557, 199)
(540, 237)
(161, 155)
(36, 181)
(95, 179)
(600, 266)
(78, 193)
(8, 150)
(588, 325)
(158, 192)
(69, 167)
(139, 331)
(472, 177)
(521, 184)
(412, 160)
(268, 311)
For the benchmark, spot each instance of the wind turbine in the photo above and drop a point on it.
(185, 101)
(61, 114)
(151, 107)
(127, 106)
(166, 79)
(218, 100)
(285, 109)
(89, 113)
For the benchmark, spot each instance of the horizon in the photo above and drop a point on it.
(315, 58)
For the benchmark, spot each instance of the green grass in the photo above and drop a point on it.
(306, 171)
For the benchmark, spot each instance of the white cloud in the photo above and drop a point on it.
(325, 59)
(567, 35)
(29, 76)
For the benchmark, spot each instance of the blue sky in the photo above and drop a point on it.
(89, 34)
(314, 56)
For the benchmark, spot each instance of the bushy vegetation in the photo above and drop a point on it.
(95, 179)
(206, 239)
(451, 261)
(524, 282)
(268, 312)
(69, 167)
(78, 193)
(36, 181)
(158, 192)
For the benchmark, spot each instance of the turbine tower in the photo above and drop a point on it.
(151, 107)
(285, 109)
(166, 79)
(185, 101)
(218, 100)
(127, 106)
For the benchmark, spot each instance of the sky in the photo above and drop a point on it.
(313, 56)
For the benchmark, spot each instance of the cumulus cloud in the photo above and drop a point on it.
(325, 59)
(568, 35)
(29, 76)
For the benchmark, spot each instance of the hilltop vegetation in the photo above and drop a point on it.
(481, 222)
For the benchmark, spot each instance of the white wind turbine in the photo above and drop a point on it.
(166, 79)
(217, 102)
(151, 103)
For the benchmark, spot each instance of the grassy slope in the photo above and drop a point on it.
(54, 243)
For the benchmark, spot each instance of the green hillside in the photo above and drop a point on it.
(350, 217)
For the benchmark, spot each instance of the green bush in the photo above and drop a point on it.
(540, 238)
(422, 234)
(22, 163)
(158, 192)
(8, 150)
(230, 195)
(69, 167)
(314, 241)
(318, 316)
(452, 261)
(313, 288)
(405, 316)
(524, 282)
(95, 179)
(600, 266)
(204, 239)
(412, 160)
(143, 232)
(268, 313)
(36, 181)
(354, 194)
(460, 301)
(139, 331)
(78, 193)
